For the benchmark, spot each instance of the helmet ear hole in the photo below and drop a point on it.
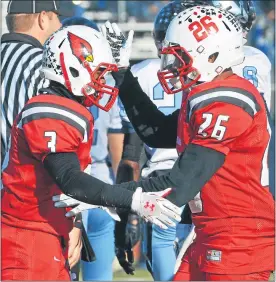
(74, 72)
(212, 58)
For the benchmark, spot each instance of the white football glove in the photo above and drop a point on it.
(62, 201)
(152, 207)
(120, 45)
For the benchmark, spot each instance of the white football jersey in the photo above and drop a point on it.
(146, 71)
(257, 69)
(104, 123)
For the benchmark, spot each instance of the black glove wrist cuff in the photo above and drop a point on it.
(78, 221)
(78, 224)
(119, 76)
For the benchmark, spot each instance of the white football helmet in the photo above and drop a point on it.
(80, 58)
(195, 36)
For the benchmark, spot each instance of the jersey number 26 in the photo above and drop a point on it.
(219, 129)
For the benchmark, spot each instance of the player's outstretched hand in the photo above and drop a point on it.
(152, 207)
(62, 201)
(120, 45)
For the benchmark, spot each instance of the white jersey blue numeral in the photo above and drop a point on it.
(95, 112)
(256, 68)
(104, 123)
(250, 73)
(167, 104)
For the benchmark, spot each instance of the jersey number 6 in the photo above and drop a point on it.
(203, 28)
(53, 140)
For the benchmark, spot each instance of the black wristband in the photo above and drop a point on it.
(78, 224)
(119, 76)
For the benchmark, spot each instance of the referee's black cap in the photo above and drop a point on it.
(33, 7)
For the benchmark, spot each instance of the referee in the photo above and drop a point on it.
(30, 23)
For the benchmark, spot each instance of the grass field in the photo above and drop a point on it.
(140, 275)
(120, 275)
(143, 275)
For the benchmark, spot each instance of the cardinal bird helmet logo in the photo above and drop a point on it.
(81, 49)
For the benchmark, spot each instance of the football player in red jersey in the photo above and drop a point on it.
(50, 149)
(222, 138)
(233, 212)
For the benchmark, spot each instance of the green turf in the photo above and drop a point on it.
(143, 275)
(272, 276)
(140, 275)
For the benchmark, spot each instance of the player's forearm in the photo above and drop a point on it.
(191, 171)
(65, 170)
(91, 190)
(115, 145)
(129, 169)
(153, 127)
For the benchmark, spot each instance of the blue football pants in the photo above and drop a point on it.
(159, 246)
(100, 231)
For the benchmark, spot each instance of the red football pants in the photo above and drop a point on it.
(32, 255)
(189, 271)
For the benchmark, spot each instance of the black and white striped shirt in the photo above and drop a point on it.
(21, 60)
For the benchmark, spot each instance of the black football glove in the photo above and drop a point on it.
(127, 235)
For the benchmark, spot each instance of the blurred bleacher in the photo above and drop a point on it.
(136, 15)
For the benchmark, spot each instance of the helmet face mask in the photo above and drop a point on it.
(177, 70)
(103, 95)
(80, 58)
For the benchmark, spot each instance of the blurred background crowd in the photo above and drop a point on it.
(139, 15)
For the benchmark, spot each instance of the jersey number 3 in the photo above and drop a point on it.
(219, 129)
(53, 140)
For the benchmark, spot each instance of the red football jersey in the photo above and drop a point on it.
(234, 213)
(47, 124)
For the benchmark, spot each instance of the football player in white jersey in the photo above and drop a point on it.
(256, 68)
(159, 246)
(98, 223)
